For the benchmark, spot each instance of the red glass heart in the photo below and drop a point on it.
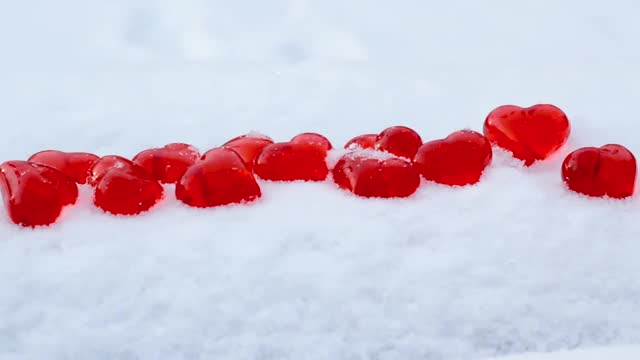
(121, 192)
(221, 179)
(366, 141)
(34, 194)
(123, 187)
(371, 177)
(248, 147)
(167, 164)
(75, 164)
(531, 133)
(606, 171)
(107, 163)
(312, 139)
(400, 141)
(291, 162)
(458, 159)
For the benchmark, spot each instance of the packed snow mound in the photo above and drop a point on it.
(512, 265)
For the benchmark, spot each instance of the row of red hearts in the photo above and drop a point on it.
(387, 165)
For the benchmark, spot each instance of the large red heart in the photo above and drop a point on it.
(122, 187)
(399, 140)
(75, 164)
(34, 194)
(220, 179)
(609, 170)
(107, 163)
(458, 159)
(292, 161)
(372, 177)
(531, 133)
(248, 147)
(167, 164)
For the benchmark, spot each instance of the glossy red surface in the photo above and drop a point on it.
(366, 141)
(167, 164)
(312, 139)
(34, 194)
(75, 164)
(606, 171)
(292, 161)
(400, 141)
(458, 159)
(531, 133)
(248, 147)
(369, 177)
(220, 179)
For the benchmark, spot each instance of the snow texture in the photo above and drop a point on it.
(617, 353)
(515, 264)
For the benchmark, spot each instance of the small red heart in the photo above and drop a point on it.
(167, 164)
(312, 139)
(221, 179)
(372, 177)
(291, 162)
(248, 147)
(458, 159)
(400, 141)
(609, 170)
(366, 141)
(107, 163)
(122, 187)
(34, 194)
(75, 164)
(531, 133)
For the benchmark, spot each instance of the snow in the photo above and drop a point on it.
(513, 265)
(618, 353)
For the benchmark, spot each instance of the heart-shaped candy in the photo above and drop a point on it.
(374, 177)
(399, 140)
(123, 187)
(107, 163)
(292, 161)
(167, 164)
(34, 194)
(248, 147)
(458, 159)
(606, 171)
(220, 179)
(75, 164)
(531, 133)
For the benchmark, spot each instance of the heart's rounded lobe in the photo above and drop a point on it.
(312, 139)
(366, 141)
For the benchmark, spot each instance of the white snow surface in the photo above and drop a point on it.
(617, 353)
(514, 264)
